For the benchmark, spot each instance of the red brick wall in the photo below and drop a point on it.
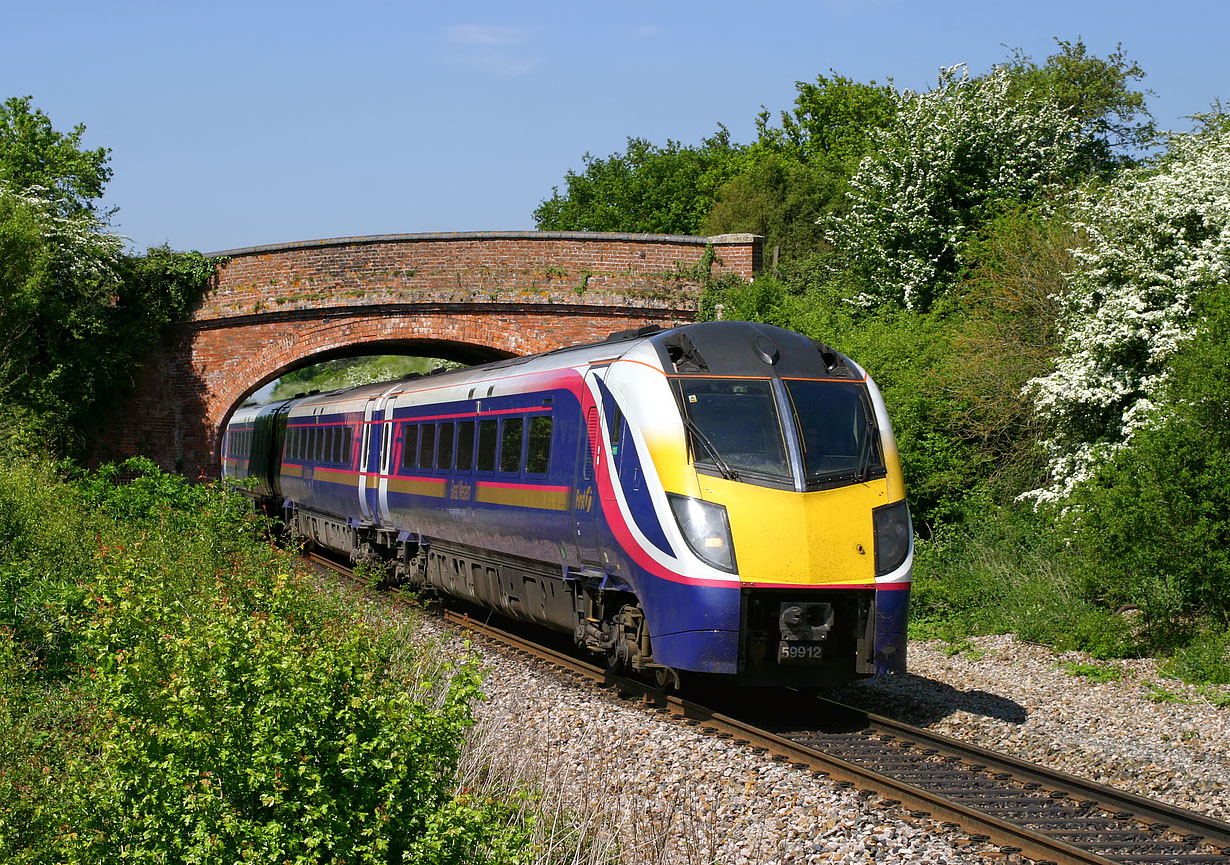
(466, 295)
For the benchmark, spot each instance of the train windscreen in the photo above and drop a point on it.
(837, 431)
(735, 426)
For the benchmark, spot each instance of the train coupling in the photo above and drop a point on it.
(803, 627)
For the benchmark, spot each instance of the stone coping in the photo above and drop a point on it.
(587, 236)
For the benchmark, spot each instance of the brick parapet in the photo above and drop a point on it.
(555, 268)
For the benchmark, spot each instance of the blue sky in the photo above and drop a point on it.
(237, 124)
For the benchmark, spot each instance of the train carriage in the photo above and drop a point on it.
(721, 498)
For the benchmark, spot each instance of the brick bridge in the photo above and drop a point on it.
(469, 297)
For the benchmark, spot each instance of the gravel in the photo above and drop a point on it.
(1141, 732)
(638, 787)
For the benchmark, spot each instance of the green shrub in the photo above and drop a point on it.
(208, 703)
(1153, 527)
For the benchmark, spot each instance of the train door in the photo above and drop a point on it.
(387, 439)
(585, 504)
(366, 469)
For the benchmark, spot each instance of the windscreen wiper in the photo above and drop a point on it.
(867, 445)
(727, 472)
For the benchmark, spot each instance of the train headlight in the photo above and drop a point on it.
(706, 528)
(893, 530)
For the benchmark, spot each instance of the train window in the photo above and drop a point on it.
(327, 456)
(510, 444)
(347, 441)
(427, 445)
(465, 445)
(837, 431)
(538, 454)
(410, 446)
(337, 444)
(444, 446)
(487, 433)
(616, 429)
(735, 425)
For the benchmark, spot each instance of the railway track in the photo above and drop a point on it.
(1008, 805)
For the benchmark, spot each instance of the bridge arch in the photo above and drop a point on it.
(479, 296)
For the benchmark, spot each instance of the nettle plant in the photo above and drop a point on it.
(952, 157)
(1158, 237)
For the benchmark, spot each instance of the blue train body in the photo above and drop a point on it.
(722, 498)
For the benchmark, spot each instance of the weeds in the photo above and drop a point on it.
(1092, 672)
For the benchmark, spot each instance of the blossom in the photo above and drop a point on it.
(952, 155)
(1158, 236)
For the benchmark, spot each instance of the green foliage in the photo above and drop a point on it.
(953, 158)
(77, 312)
(351, 371)
(1095, 92)
(649, 189)
(1092, 672)
(173, 691)
(1204, 659)
(1003, 333)
(1153, 526)
(1159, 238)
(833, 122)
(34, 157)
(781, 199)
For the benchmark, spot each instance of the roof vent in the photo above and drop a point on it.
(684, 354)
(766, 349)
(834, 363)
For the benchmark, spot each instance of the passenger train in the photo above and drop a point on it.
(722, 499)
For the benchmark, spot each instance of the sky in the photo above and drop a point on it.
(240, 124)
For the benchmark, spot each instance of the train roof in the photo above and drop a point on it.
(718, 348)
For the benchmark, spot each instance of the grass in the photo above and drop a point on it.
(172, 688)
(1006, 573)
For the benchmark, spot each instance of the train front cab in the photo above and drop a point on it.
(796, 488)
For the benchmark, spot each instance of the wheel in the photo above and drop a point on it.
(666, 678)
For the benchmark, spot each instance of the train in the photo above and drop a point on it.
(719, 501)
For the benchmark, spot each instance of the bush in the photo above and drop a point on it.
(206, 703)
(1153, 527)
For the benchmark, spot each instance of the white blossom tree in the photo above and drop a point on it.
(951, 157)
(1158, 237)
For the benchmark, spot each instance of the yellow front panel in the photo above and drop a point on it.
(818, 538)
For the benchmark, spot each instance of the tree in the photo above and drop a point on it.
(953, 157)
(783, 200)
(1159, 238)
(1152, 524)
(648, 189)
(1097, 94)
(77, 312)
(796, 175)
(833, 120)
(34, 156)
